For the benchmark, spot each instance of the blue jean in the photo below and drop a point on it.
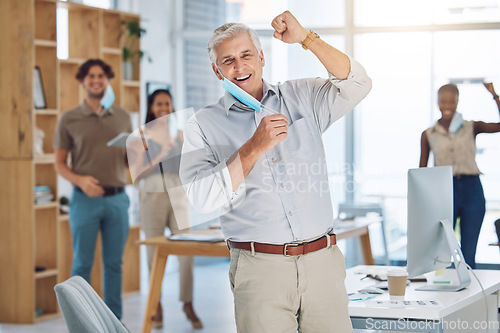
(470, 207)
(109, 215)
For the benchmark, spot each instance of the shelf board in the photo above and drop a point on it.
(47, 112)
(63, 217)
(45, 43)
(52, 204)
(73, 5)
(72, 61)
(44, 159)
(129, 16)
(46, 273)
(76, 6)
(47, 316)
(128, 83)
(111, 50)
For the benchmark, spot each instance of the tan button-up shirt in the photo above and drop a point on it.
(455, 149)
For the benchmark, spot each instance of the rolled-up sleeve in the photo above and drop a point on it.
(333, 98)
(207, 182)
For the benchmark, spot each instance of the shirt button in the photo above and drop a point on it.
(273, 160)
(290, 212)
(282, 185)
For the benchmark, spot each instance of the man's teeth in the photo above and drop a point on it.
(242, 78)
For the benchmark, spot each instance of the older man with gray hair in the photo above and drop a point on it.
(266, 171)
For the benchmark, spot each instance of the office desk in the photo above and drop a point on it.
(166, 247)
(358, 227)
(454, 310)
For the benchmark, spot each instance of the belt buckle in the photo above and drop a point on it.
(290, 244)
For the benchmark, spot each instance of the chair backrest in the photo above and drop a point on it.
(83, 310)
(351, 210)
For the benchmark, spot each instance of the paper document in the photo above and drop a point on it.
(402, 304)
(379, 273)
(119, 141)
(198, 237)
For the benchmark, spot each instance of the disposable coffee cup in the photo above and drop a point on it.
(396, 280)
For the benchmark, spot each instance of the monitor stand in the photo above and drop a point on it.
(458, 260)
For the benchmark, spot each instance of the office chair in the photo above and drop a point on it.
(83, 310)
(349, 210)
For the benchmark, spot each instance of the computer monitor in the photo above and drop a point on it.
(432, 244)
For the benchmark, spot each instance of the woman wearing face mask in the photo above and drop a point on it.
(453, 142)
(156, 206)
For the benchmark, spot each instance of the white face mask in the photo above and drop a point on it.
(240, 94)
(456, 122)
(108, 98)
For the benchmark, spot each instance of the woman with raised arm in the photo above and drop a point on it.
(453, 142)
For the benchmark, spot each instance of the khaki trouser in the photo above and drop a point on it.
(274, 293)
(156, 214)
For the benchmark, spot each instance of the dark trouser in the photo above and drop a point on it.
(469, 206)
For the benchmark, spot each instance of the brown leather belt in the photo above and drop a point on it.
(290, 249)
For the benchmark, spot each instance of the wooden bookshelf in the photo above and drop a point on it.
(35, 241)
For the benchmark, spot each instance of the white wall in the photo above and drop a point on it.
(157, 18)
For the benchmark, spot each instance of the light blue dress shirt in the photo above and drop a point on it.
(285, 197)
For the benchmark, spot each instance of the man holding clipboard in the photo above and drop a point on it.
(99, 174)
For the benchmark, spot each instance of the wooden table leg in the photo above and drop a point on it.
(367, 248)
(157, 271)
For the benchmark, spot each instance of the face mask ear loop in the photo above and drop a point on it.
(220, 73)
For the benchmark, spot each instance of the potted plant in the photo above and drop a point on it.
(64, 204)
(131, 53)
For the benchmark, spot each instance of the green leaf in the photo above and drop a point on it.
(132, 30)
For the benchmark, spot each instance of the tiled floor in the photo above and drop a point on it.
(213, 303)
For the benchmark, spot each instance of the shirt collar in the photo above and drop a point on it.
(439, 129)
(88, 112)
(229, 100)
(268, 89)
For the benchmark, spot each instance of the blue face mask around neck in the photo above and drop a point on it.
(456, 122)
(108, 98)
(241, 94)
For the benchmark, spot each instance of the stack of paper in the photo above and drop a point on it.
(43, 194)
(398, 303)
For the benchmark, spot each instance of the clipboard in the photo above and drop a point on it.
(119, 141)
